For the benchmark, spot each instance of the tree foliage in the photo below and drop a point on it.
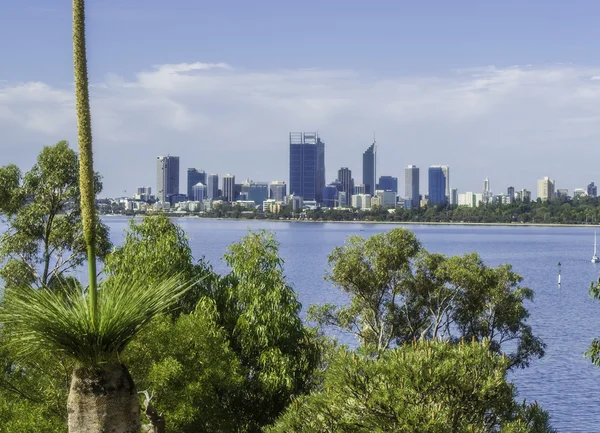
(399, 292)
(425, 387)
(45, 238)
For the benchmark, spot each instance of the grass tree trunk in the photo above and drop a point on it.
(103, 400)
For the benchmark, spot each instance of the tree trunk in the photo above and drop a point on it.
(103, 400)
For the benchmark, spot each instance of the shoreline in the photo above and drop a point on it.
(369, 222)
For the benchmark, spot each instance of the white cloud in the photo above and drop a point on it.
(512, 124)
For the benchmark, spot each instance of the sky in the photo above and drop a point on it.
(505, 90)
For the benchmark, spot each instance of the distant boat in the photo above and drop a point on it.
(595, 258)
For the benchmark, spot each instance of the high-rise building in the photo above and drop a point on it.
(330, 196)
(167, 175)
(411, 186)
(320, 170)
(446, 171)
(144, 193)
(257, 192)
(592, 190)
(370, 168)
(198, 192)
(278, 190)
(545, 188)
(193, 177)
(345, 177)
(388, 183)
(437, 185)
(487, 192)
(510, 192)
(525, 195)
(387, 198)
(212, 186)
(304, 162)
(454, 196)
(229, 187)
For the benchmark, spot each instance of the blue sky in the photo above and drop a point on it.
(494, 89)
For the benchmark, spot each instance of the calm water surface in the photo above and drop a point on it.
(567, 319)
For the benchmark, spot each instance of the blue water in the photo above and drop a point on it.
(567, 319)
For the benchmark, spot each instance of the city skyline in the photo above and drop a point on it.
(503, 90)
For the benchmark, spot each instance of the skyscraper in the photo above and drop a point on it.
(277, 190)
(198, 192)
(388, 183)
(345, 178)
(167, 175)
(369, 168)
(592, 190)
(437, 185)
(320, 170)
(193, 177)
(454, 196)
(510, 192)
(411, 186)
(212, 186)
(545, 188)
(446, 171)
(229, 187)
(304, 162)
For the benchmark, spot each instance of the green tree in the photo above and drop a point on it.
(259, 312)
(45, 239)
(371, 271)
(426, 387)
(399, 292)
(156, 249)
(189, 367)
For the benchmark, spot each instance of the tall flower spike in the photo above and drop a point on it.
(84, 138)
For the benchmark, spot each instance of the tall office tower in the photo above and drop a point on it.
(437, 185)
(510, 192)
(212, 186)
(446, 171)
(411, 186)
(167, 175)
(592, 190)
(229, 187)
(345, 177)
(277, 190)
(525, 195)
(487, 192)
(388, 183)
(198, 192)
(369, 168)
(194, 176)
(545, 188)
(303, 164)
(320, 170)
(454, 196)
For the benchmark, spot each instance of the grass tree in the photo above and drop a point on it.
(91, 327)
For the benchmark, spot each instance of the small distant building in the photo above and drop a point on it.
(592, 190)
(278, 190)
(454, 196)
(580, 192)
(297, 202)
(387, 198)
(561, 193)
(359, 189)
(361, 201)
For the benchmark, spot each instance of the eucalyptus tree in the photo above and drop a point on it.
(399, 292)
(93, 327)
(44, 236)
